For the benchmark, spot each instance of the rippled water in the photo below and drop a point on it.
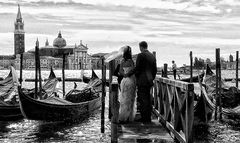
(87, 130)
(25, 130)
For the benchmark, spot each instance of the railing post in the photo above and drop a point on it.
(189, 114)
(103, 94)
(115, 112)
(237, 54)
(155, 88)
(111, 71)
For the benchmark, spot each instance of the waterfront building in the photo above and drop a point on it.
(6, 61)
(232, 65)
(76, 55)
(50, 55)
(46, 62)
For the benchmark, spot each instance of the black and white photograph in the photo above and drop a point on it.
(119, 71)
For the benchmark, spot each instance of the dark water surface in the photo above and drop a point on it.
(87, 130)
(25, 130)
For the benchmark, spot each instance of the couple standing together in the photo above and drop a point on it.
(136, 79)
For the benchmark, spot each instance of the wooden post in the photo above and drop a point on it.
(217, 82)
(40, 77)
(155, 88)
(154, 54)
(103, 94)
(111, 72)
(115, 111)
(21, 68)
(165, 70)
(219, 87)
(191, 66)
(237, 54)
(63, 75)
(36, 69)
(189, 114)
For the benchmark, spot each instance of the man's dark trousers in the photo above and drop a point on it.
(144, 99)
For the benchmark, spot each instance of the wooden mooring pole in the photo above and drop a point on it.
(237, 54)
(115, 112)
(220, 87)
(36, 68)
(191, 66)
(103, 94)
(63, 75)
(154, 54)
(21, 68)
(217, 82)
(111, 72)
(40, 77)
(165, 70)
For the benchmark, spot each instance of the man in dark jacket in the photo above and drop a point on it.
(145, 72)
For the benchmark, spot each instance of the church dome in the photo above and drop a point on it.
(59, 41)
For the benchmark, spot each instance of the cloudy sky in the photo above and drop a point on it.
(172, 28)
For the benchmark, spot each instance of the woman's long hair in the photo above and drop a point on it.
(127, 54)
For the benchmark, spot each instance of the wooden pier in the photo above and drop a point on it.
(139, 132)
(173, 114)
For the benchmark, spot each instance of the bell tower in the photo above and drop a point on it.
(19, 34)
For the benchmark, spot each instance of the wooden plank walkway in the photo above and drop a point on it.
(137, 132)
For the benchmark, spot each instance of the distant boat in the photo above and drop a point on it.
(10, 110)
(194, 78)
(57, 109)
(87, 79)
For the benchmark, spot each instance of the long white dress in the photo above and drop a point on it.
(127, 97)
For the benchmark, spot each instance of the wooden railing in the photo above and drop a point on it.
(173, 104)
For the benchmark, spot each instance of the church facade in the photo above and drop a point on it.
(50, 55)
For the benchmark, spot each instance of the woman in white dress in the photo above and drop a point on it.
(127, 96)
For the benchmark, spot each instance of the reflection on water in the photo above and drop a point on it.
(25, 130)
(87, 130)
(38, 131)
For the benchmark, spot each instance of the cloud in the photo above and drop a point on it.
(172, 28)
(211, 6)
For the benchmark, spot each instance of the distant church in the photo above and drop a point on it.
(51, 55)
(19, 34)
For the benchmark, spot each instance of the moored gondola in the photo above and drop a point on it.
(57, 109)
(10, 109)
(196, 78)
(230, 95)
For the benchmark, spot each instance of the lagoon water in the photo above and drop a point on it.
(25, 130)
(87, 130)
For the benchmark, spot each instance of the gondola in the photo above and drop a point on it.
(10, 110)
(230, 95)
(88, 79)
(57, 109)
(194, 78)
(49, 87)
